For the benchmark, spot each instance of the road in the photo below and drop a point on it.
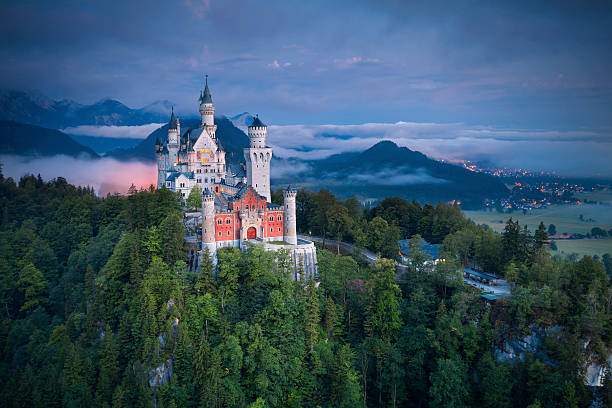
(369, 256)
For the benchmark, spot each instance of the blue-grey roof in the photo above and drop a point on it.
(237, 170)
(206, 97)
(172, 124)
(431, 250)
(175, 174)
(257, 122)
(479, 274)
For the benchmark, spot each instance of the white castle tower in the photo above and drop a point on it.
(174, 130)
(207, 109)
(290, 229)
(258, 158)
(208, 224)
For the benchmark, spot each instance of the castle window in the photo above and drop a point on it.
(271, 218)
(199, 180)
(228, 221)
(246, 207)
(279, 229)
(279, 218)
(219, 233)
(229, 233)
(271, 229)
(219, 222)
(168, 183)
(182, 184)
(206, 180)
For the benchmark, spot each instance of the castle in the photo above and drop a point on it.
(236, 210)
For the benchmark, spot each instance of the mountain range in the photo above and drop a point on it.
(29, 140)
(37, 109)
(387, 169)
(382, 170)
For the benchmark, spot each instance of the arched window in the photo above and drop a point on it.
(228, 221)
(279, 218)
(219, 222)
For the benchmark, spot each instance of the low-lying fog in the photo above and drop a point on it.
(104, 175)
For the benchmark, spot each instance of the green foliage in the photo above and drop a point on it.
(95, 295)
(33, 285)
(194, 200)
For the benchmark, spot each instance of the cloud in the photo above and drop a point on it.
(198, 7)
(132, 132)
(104, 175)
(584, 153)
(353, 61)
(395, 177)
(274, 65)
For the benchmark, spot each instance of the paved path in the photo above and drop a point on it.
(369, 256)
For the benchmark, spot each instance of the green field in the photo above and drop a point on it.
(583, 247)
(566, 218)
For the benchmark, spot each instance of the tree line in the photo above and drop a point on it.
(97, 299)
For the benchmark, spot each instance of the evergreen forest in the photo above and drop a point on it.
(99, 309)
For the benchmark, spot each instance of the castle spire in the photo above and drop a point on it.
(172, 124)
(207, 97)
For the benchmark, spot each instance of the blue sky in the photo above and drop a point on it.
(538, 65)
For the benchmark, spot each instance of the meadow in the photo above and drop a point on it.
(566, 219)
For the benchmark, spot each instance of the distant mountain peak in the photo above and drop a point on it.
(161, 107)
(32, 107)
(242, 120)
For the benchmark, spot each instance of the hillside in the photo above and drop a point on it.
(37, 109)
(28, 140)
(386, 167)
(232, 139)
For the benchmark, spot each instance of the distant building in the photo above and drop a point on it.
(236, 207)
(432, 252)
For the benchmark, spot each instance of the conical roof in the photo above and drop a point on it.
(173, 123)
(257, 122)
(206, 97)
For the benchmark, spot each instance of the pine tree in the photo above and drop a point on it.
(108, 376)
(540, 236)
(33, 285)
(312, 315)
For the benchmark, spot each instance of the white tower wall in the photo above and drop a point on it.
(208, 224)
(290, 229)
(258, 158)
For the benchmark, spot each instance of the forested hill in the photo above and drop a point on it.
(232, 139)
(386, 167)
(97, 304)
(28, 140)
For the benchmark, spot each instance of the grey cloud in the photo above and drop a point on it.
(567, 152)
(133, 132)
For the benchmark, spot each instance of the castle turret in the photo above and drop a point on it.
(208, 223)
(173, 138)
(290, 219)
(207, 110)
(258, 158)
